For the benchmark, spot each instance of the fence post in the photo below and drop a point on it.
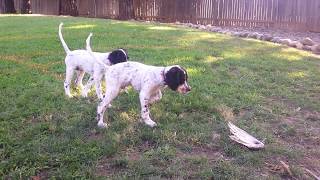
(95, 8)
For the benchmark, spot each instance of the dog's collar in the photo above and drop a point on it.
(123, 52)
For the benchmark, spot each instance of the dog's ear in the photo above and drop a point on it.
(117, 56)
(175, 77)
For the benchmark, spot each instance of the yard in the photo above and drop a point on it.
(269, 90)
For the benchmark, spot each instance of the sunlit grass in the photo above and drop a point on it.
(194, 71)
(211, 59)
(191, 38)
(84, 26)
(162, 28)
(298, 74)
(291, 54)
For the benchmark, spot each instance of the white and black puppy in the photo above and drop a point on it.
(82, 62)
(147, 80)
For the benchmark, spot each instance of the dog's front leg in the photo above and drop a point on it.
(156, 97)
(145, 113)
(111, 93)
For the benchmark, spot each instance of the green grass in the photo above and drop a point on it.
(258, 85)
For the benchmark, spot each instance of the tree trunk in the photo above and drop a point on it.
(26, 7)
(9, 6)
(126, 10)
(68, 7)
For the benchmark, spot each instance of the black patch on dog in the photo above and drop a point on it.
(175, 77)
(117, 56)
(79, 68)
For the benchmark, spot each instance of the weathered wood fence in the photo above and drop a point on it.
(288, 14)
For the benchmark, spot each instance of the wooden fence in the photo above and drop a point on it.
(287, 14)
(49, 7)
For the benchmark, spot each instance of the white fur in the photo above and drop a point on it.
(82, 62)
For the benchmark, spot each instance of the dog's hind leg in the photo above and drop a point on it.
(155, 97)
(111, 93)
(78, 81)
(67, 82)
(87, 87)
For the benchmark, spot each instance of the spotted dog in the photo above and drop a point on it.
(147, 80)
(82, 62)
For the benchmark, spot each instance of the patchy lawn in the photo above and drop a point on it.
(269, 90)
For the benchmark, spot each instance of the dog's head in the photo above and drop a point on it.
(177, 79)
(118, 56)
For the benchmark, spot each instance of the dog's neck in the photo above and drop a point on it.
(106, 60)
(163, 75)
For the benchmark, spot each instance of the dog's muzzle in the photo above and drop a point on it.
(184, 89)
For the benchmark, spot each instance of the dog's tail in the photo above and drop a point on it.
(88, 48)
(65, 47)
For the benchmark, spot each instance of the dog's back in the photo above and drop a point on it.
(131, 73)
(82, 60)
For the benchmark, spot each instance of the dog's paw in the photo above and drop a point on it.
(84, 94)
(125, 90)
(150, 123)
(102, 125)
(81, 87)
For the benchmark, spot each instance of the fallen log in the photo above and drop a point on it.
(244, 138)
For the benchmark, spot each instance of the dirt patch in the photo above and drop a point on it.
(225, 112)
(233, 70)
(278, 166)
(298, 128)
(94, 135)
(230, 114)
(210, 153)
(108, 166)
(43, 174)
